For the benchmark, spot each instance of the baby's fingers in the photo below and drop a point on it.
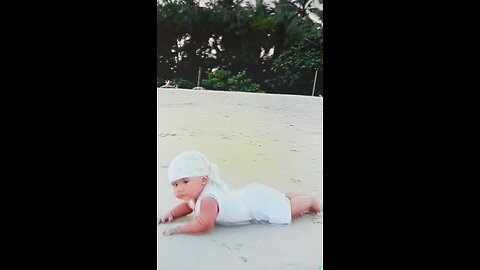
(167, 232)
(162, 220)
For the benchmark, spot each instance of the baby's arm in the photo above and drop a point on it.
(203, 223)
(179, 211)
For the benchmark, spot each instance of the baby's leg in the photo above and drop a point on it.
(305, 203)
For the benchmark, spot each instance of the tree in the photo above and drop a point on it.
(295, 68)
(232, 35)
(183, 31)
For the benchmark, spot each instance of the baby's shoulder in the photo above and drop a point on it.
(208, 196)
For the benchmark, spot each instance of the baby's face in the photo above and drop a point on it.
(189, 188)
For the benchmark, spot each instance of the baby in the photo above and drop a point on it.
(196, 182)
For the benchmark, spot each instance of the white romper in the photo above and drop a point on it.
(254, 203)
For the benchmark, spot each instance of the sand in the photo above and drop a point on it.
(276, 140)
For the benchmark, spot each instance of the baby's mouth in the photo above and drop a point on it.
(182, 196)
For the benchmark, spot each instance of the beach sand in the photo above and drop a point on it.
(276, 140)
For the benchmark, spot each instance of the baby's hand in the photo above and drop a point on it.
(171, 231)
(165, 219)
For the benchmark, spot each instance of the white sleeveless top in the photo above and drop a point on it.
(254, 203)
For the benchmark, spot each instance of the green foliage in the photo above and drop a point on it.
(231, 34)
(241, 83)
(217, 80)
(223, 80)
(295, 67)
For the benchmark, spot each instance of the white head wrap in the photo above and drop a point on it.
(193, 163)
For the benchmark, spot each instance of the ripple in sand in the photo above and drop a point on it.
(163, 135)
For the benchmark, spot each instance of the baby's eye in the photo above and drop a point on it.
(174, 184)
(185, 182)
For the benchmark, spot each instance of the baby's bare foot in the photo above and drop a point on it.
(317, 206)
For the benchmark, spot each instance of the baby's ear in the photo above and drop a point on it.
(204, 180)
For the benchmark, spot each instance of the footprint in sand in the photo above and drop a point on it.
(295, 180)
(244, 259)
(317, 219)
(230, 247)
(226, 246)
